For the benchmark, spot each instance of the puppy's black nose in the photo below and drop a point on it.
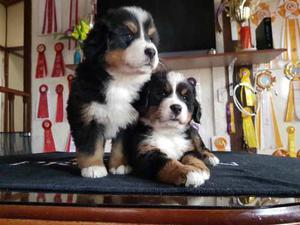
(176, 109)
(150, 52)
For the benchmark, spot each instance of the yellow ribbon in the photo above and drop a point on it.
(276, 127)
(248, 129)
(232, 119)
(249, 95)
(290, 109)
(291, 141)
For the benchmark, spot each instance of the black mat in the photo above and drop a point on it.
(241, 174)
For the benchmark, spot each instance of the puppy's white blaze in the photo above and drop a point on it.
(141, 16)
(170, 141)
(117, 112)
(174, 79)
(135, 55)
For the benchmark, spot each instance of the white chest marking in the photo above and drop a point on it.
(118, 111)
(170, 141)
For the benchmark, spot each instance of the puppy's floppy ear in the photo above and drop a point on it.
(197, 108)
(197, 111)
(141, 105)
(96, 42)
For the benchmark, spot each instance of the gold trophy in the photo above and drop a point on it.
(291, 141)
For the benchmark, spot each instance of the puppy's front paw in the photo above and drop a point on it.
(196, 178)
(121, 170)
(212, 160)
(94, 172)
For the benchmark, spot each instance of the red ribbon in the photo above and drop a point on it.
(70, 198)
(60, 104)
(41, 66)
(70, 78)
(43, 103)
(59, 65)
(50, 17)
(57, 198)
(68, 145)
(41, 197)
(49, 145)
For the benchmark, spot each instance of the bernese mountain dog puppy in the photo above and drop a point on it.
(120, 54)
(163, 145)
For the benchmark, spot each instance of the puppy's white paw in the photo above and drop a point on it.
(195, 178)
(212, 160)
(94, 172)
(121, 170)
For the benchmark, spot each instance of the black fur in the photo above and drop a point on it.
(92, 79)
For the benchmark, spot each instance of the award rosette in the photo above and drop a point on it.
(43, 103)
(59, 65)
(60, 103)
(266, 123)
(41, 66)
(70, 78)
(292, 72)
(49, 145)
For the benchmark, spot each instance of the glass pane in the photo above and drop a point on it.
(18, 113)
(15, 72)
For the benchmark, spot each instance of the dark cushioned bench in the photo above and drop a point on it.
(238, 174)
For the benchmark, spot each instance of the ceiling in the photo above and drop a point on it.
(10, 2)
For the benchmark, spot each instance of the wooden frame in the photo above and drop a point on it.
(26, 70)
(278, 215)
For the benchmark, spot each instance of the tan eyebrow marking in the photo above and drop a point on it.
(131, 26)
(151, 31)
(184, 91)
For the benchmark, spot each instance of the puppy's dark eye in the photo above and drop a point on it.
(128, 37)
(164, 93)
(184, 97)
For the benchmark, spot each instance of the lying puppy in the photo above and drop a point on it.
(163, 145)
(119, 56)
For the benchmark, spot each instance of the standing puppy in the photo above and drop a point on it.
(119, 55)
(163, 145)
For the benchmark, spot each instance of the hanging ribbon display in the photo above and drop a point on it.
(290, 11)
(50, 17)
(73, 20)
(246, 94)
(68, 145)
(60, 103)
(292, 72)
(70, 198)
(59, 65)
(262, 11)
(248, 99)
(49, 145)
(43, 103)
(230, 118)
(57, 198)
(70, 78)
(266, 122)
(41, 197)
(249, 129)
(291, 141)
(41, 66)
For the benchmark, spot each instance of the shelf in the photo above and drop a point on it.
(196, 60)
(221, 59)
